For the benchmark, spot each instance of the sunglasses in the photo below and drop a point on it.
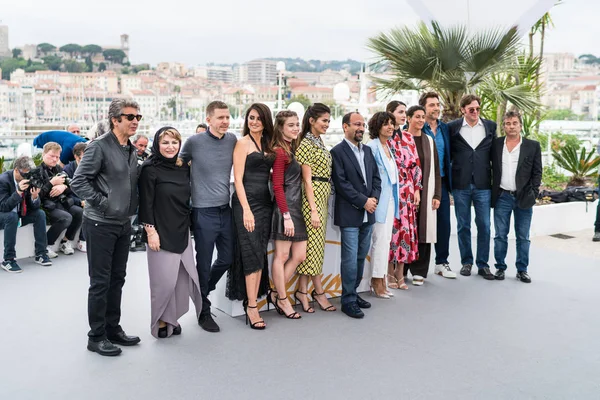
(131, 117)
(469, 110)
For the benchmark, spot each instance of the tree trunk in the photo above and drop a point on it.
(531, 33)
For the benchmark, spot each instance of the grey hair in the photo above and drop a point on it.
(138, 137)
(98, 130)
(23, 163)
(116, 108)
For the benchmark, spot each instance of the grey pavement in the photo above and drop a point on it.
(462, 339)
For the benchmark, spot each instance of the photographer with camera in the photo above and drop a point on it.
(70, 169)
(58, 202)
(19, 200)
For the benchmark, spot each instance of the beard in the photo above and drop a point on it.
(358, 136)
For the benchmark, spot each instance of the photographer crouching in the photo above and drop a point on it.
(19, 200)
(57, 201)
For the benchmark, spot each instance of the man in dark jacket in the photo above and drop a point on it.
(470, 143)
(517, 166)
(20, 201)
(357, 189)
(106, 180)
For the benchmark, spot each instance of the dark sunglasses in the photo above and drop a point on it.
(470, 110)
(131, 117)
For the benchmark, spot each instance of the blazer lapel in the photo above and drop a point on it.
(353, 159)
(522, 153)
(499, 153)
(12, 181)
(384, 159)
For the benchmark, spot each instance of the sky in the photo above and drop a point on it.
(230, 31)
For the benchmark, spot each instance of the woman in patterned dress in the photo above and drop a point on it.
(404, 247)
(316, 173)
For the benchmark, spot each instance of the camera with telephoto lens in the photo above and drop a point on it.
(67, 179)
(35, 178)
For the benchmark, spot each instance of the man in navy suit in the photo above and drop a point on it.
(19, 201)
(471, 143)
(438, 130)
(357, 188)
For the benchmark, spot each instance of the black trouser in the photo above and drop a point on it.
(421, 266)
(107, 253)
(212, 226)
(60, 219)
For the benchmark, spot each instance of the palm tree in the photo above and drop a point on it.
(450, 62)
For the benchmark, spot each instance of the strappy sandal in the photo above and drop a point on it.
(314, 294)
(401, 284)
(392, 282)
(292, 315)
(254, 325)
(309, 310)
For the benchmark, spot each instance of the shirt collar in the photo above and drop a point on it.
(520, 142)
(353, 146)
(213, 136)
(479, 122)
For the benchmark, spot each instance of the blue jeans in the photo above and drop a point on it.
(481, 200)
(505, 206)
(442, 245)
(355, 247)
(9, 221)
(213, 226)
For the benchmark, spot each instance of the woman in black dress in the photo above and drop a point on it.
(288, 228)
(252, 207)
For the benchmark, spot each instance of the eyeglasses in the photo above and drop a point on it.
(359, 125)
(469, 110)
(131, 117)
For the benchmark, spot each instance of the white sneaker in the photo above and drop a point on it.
(81, 246)
(51, 252)
(445, 271)
(418, 280)
(67, 248)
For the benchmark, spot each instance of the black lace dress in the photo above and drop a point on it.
(250, 253)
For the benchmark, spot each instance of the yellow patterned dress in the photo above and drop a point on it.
(312, 152)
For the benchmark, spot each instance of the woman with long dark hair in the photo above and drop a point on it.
(288, 229)
(316, 174)
(398, 110)
(164, 188)
(431, 194)
(404, 246)
(252, 207)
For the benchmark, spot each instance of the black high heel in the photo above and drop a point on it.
(253, 325)
(177, 330)
(309, 310)
(293, 315)
(270, 300)
(330, 308)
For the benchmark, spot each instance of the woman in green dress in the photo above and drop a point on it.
(316, 173)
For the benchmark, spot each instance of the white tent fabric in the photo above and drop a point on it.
(482, 14)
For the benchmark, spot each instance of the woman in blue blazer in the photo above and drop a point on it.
(381, 129)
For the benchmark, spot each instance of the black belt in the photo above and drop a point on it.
(320, 179)
(512, 193)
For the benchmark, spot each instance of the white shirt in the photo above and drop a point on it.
(359, 153)
(392, 164)
(510, 160)
(473, 134)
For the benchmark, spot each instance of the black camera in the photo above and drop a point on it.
(67, 179)
(35, 177)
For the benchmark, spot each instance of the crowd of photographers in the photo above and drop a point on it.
(42, 196)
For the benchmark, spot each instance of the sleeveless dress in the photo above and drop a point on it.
(313, 152)
(292, 187)
(250, 253)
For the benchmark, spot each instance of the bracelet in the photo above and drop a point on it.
(148, 226)
(287, 216)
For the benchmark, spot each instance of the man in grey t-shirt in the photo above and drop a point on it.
(211, 156)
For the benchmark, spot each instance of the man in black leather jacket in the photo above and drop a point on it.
(106, 180)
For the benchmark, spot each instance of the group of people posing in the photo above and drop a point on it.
(391, 200)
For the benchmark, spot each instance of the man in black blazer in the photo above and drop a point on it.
(470, 143)
(357, 188)
(19, 201)
(517, 166)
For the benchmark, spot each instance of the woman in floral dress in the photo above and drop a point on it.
(404, 247)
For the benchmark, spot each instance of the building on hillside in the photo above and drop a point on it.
(262, 72)
(315, 94)
(219, 74)
(4, 49)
